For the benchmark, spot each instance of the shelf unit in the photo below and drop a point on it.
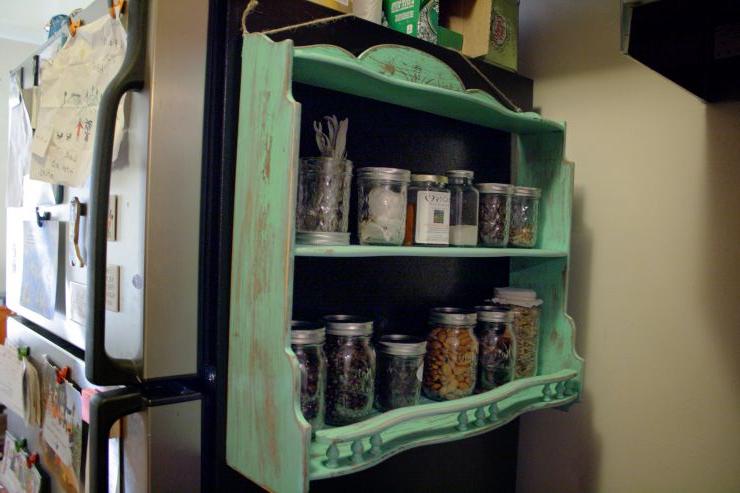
(267, 438)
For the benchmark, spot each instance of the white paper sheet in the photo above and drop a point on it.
(15, 474)
(40, 266)
(11, 380)
(71, 87)
(19, 146)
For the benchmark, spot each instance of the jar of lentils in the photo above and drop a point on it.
(525, 312)
(400, 370)
(497, 347)
(525, 206)
(307, 342)
(350, 369)
(494, 214)
(452, 354)
(382, 205)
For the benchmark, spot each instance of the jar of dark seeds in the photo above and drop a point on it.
(525, 312)
(497, 347)
(350, 369)
(307, 342)
(494, 213)
(525, 205)
(400, 371)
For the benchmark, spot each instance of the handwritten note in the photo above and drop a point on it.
(71, 87)
(11, 380)
(40, 266)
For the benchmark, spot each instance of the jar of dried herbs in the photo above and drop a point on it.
(525, 311)
(494, 213)
(428, 211)
(497, 350)
(307, 342)
(464, 199)
(452, 354)
(525, 205)
(400, 371)
(382, 205)
(350, 369)
(324, 185)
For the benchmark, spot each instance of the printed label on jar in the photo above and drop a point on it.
(432, 218)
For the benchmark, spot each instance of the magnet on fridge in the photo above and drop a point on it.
(24, 352)
(112, 218)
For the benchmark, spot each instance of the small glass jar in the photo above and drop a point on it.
(493, 219)
(382, 205)
(525, 205)
(464, 200)
(497, 347)
(452, 354)
(307, 342)
(428, 211)
(400, 371)
(350, 378)
(324, 185)
(525, 311)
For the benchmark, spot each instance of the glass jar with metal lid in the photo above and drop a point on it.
(464, 200)
(493, 219)
(428, 211)
(350, 369)
(497, 347)
(324, 185)
(400, 371)
(307, 342)
(525, 310)
(525, 205)
(381, 205)
(452, 354)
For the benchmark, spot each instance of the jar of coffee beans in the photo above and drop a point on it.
(307, 342)
(525, 206)
(493, 215)
(400, 370)
(525, 311)
(497, 347)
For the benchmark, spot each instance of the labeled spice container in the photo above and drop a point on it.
(525, 311)
(400, 371)
(493, 219)
(324, 185)
(452, 354)
(525, 205)
(428, 211)
(307, 342)
(350, 377)
(382, 205)
(497, 347)
(464, 200)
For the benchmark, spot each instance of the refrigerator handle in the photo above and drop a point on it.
(100, 368)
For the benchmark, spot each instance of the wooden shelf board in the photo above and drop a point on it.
(418, 251)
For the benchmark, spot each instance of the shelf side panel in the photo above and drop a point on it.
(267, 439)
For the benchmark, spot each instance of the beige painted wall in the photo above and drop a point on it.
(655, 277)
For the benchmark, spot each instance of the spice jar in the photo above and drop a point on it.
(497, 347)
(464, 200)
(525, 204)
(307, 342)
(324, 185)
(400, 370)
(525, 311)
(382, 205)
(452, 354)
(428, 211)
(350, 369)
(493, 220)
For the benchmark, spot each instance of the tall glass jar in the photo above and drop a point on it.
(452, 354)
(525, 205)
(382, 205)
(307, 342)
(324, 185)
(400, 371)
(350, 369)
(525, 311)
(428, 211)
(493, 220)
(464, 200)
(497, 352)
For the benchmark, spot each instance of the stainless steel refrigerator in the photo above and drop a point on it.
(125, 313)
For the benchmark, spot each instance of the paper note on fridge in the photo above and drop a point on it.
(70, 89)
(11, 380)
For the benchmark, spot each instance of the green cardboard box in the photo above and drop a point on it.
(419, 18)
(504, 39)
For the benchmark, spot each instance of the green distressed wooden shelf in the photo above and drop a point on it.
(268, 440)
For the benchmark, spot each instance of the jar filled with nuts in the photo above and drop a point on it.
(350, 369)
(400, 369)
(307, 342)
(497, 347)
(525, 311)
(525, 205)
(452, 354)
(494, 213)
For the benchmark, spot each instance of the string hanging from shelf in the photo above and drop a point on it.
(253, 4)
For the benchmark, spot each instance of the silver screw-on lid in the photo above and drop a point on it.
(402, 345)
(460, 173)
(448, 315)
(492, 313)
(438, 179)
(392, 174)
(302, 332)
(348, 325)
(527, 192)
(321, 238)
(493, 187)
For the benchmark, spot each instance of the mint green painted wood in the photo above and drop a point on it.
(389, 251)
(411, 65)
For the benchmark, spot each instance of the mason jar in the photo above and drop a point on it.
(350, 377)
(400, 371)
(452, 354)
(525, 312)
(464, 199)
(525, 205)
(497, 347)
(307, 342)
(382, 205)
(324, 185)
(493, 219)
(428, 211)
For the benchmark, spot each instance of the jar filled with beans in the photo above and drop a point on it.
(399, 373)
(497, 347)
(307, 342)
(525, 310)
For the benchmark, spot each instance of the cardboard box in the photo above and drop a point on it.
(472, 19)
(338, 5)
(418, 18)
(504, 34)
